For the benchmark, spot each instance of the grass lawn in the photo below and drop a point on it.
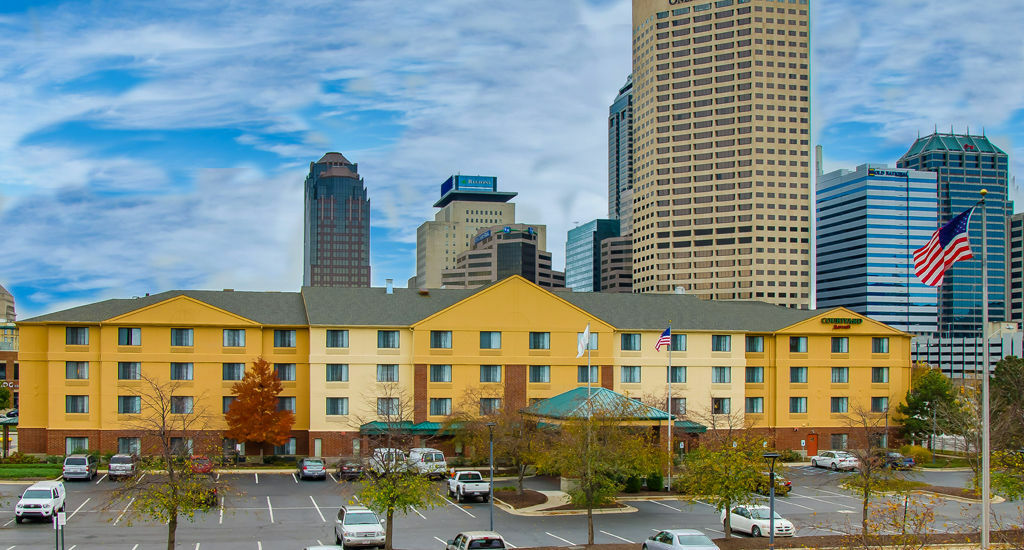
(29, 471)
(945, 462)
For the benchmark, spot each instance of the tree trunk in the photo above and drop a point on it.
(522, 474)
(172, 528)
(726, 524)
(864, 511)
(590, 523)
(388, 531)
(261, 453)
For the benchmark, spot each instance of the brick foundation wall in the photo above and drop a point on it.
(419, 393)
(32, 440)
(515, 387)
(333, 444)
(607, 377)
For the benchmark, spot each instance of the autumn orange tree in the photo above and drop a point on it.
(254, 416)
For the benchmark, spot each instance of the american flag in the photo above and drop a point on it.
(949, 244)
(664, 340)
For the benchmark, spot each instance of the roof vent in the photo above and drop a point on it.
(389, 286)
(680, 290)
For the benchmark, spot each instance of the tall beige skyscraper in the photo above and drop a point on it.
(721, 149)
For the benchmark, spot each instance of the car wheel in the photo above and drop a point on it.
(814, 463)
(18, 519)
(835, 467)
(755, 531)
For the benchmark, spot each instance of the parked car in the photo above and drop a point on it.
(756, 520)
(836, 460)
(782, 485)
(324, 547)
(79, 466)
(463, 485)
(41, 500)
(474, 540)
(358, 526)
(386, 459)
(428, 462)
(121, 465)
(897, 461)
(679, 539)
(310, 467)
(349, 469)
(200, 465)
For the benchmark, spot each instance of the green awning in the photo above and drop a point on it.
(404, 427)
(691, 427)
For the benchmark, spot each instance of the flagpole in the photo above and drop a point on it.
(670, 419)
(986, 475)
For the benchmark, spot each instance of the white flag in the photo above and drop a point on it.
(584, 342)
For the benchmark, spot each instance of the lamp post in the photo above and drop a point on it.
(771, 457)
(490, 435)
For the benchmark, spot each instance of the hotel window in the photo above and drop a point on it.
(76, 336)
(129, 336)
(679, 405)
(285, 371)
(755, 375)
(721, 375)
(798, 405)
(286, 404)
(593, 340)
(440, 406)
(387, 406)
(879, 404)
(129, 371)
(630, 375)
(129, 404)
(797, 344)
(181, 337)
(440, 373)
(337, 338)
(337, 372)
(721, 342)
(181, 371)
(679, 342)
(441, 339)
(181, 446)
(233, 371)
(581, 374)
(387, 339)
(490, 373)
(879, 375)
(540, 340)
(678, 375)
(226, 401)
(337, 406)
(284, 338)
(387, 373)
(840, 404)
(490, 405)
(755, 344)
(720, 405)
(840, 344)
(797, 375)
(754, 405)
(879, 345)
(76, 370)
(840, 375)
(287, 449)
(839, 441)
(490, 340)
(540, 374)
(74, 445)
(630, 342)
(234, 338)
(129, 446)
(181, 404)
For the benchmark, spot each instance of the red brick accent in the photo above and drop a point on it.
(607, 377)
(419, 393)
(515, 387)
(32, 440)
(333, 444)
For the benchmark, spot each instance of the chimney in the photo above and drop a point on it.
(389, 286)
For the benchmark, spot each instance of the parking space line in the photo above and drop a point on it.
(569, 542)
(510, 544)
(332, 477)
(715, 530)
(702, 502)
(104, 476)
(319, 543)
(618, 537)
(322, 518)
(795, 504)
(10, 548)
(297, 479)
(821, 500)
(197, 546)
(836, 494)
(259, 545)
(220, 520)
(124, 511)
(134, 547)
(8, 523)
(79, 507)
(257, 478)
(73, 546)
(218, 477)
(443, 543)
(457, 506)
(271, 508)
(665, 505)
(142, 476)
(415, 510)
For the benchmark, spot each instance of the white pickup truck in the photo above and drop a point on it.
(463, 485)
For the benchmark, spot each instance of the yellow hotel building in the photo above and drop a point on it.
(347, 354)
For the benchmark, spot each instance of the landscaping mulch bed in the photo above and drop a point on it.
(528, 498)
(952, 491)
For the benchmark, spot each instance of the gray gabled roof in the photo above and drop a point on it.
(375, 307)
(268, 308)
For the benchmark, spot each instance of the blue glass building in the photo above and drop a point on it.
(583, 254)
(869, 222)
(964, 165)
(336, 239)
(620, 158)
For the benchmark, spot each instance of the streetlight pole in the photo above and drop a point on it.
(490, 434)
(771, 457)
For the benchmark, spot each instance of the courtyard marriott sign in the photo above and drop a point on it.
(841, 322)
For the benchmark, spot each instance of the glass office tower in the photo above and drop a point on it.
(583, 254)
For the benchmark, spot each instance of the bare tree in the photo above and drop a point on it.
(871, 474)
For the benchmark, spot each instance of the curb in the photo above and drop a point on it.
(535, 513)
(996, 499)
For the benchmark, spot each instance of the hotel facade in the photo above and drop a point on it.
(345, 353)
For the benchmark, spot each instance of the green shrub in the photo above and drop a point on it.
(789, 455)
(55, 459)
(633, 484)
(504, 488)
(917, 452)
(656, 482)
(19, 457)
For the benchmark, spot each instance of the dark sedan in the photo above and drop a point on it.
(897, 461)
(350, 470)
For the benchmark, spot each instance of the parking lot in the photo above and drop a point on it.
(276, 511)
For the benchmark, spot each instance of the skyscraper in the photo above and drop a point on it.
(6, 305)
(721, 150)
(583, 254)
(336, 244)
(964, 165)
(499, 252)
(1015, 242)
(870, 221)
(620, 158)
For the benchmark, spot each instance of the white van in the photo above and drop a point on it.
(42, 500)
(386, 459)
(428, 462)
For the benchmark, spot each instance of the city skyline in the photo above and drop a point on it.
(127, 135)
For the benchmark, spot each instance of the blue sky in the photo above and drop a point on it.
(146, 146)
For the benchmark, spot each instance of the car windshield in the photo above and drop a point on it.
(470, 477)
(37, 493)
(361, 518)
(75, 461)
(314, 463)
(486, 543)
(120, 460)
(694, 540)
(762, 513)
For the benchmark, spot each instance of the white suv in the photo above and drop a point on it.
(42, 500)
(358, 526)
